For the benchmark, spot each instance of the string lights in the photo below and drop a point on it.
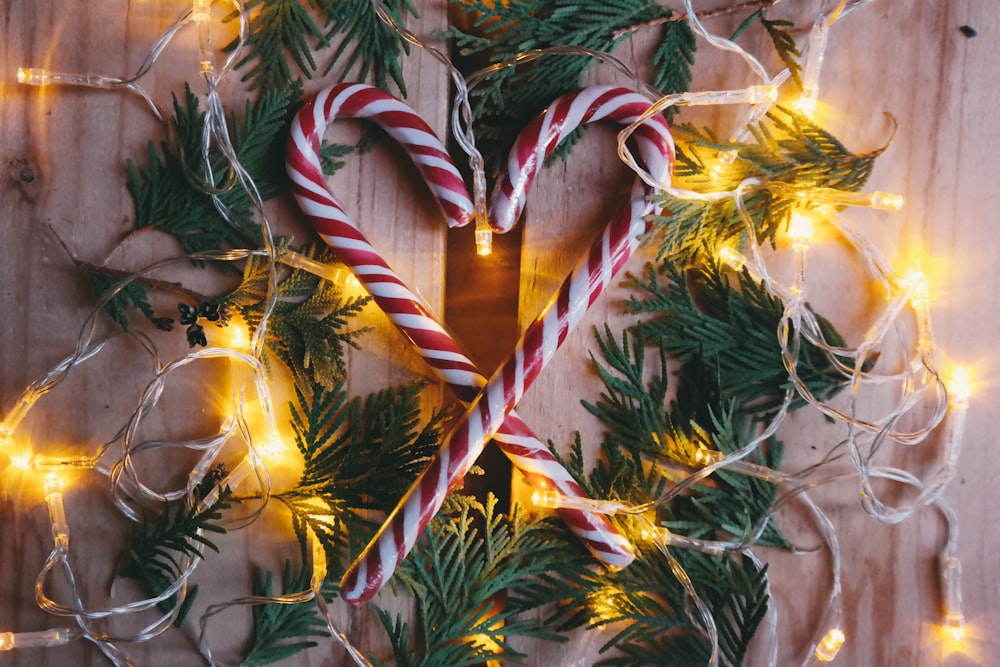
(919, 383)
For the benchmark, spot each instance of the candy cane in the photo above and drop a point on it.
(410, 314)
(490, 408)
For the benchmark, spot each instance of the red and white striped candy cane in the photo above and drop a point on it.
(410, 314)
(490, 408)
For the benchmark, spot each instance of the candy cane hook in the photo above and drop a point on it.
(489, 410)
(409, 313)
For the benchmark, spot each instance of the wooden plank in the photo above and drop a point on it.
(912, 61)
(64, 154)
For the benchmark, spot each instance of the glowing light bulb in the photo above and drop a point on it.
(21, 461)
(732, 258)
(57, 513)
(545, 498)
(801, 229)
(887, 201)
(32, 77)
(484, 242)
(805, 104)
(954, 627)
(706, 457)
(960, 386)
(830, 646)
(239, 337)
(273, 447)
(916, 283)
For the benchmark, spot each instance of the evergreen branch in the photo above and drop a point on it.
(133, 295)
(360, 456)
(707, 14)
(279, 31)
(280, 630)
(159, 543)
(791, 154)
(784, 44)
(307, 330)
(165, 192)
(471, 554)
(505, 103)
(368, 44)
(729, 334)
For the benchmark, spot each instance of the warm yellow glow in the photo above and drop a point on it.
(605, 603)
(53, 484)
(888, 201)
(238, 336)
(486, 643)
(732, 257)
(545, 498)
(954, 627)
(484, 242)
(829, 647)
(21, 461)
(805, 105)
(801, 230)
(959, 386)
(273, 447)
(916, 283)
(706, 457)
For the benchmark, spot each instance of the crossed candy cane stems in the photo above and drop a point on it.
(410, 314)
(489, 410)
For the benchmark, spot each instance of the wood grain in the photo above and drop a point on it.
(63, 153)
(911, 60)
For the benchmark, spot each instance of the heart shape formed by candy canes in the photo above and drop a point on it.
(488, 412)
(407, 311)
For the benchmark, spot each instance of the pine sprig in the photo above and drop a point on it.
(164, 190)
(307, 330)
(281, 630)
(368, 45)
(790, 154)
(132, 296)
(505, 102)
(360, 456)
(729, 334)
(279, 31)
(161, 542)
(784, 44)
(470, 554)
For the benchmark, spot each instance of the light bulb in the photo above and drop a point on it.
(484, 242)
(830, 646)
(959, 387)
(732, 258)
(801, 229)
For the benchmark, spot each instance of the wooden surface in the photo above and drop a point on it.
(63, 153)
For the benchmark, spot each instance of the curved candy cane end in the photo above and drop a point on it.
(356, 587)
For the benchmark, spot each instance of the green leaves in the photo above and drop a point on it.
(470, 555)
(285, 38)
(729, 334)
(784, 44)
(279, 30)
(134, 295)
(790, 154)
(510, 97)
(168, 191)
(360, 455)
(280, 630)
(307, 329)
(162, 543)
(368, 45)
